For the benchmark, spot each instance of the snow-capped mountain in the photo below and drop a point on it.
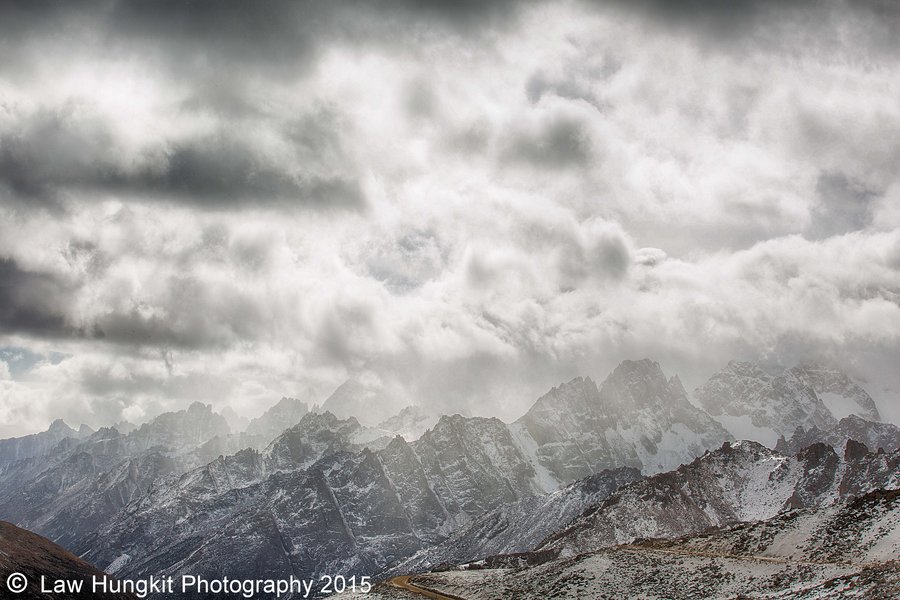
(520, 526)
(841, 395)
(739, 482)
(411, 422)
(339, 508)
(842, 550)
(636, 417)
(368, 402)
(181, 429)
(68, 492)
(361, 510)
(754, 404)
(38, 444)
(859, 530)
(318, 435)
(286, 413)
(182, 494)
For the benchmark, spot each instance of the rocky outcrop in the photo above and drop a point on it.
(739, 482)
(883, 436)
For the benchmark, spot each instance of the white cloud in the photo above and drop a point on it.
(534, 202)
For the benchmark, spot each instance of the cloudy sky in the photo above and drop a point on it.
(460, 203)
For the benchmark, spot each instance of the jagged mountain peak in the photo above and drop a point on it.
(854, 450)
(643, 367)
(842, 395)
(325, 420)
(288, 402)
(36, 444)
(199, 408)
(368, 401)
(576, 394)
(746, 367)
(635, 417)
(456, 422)
(874, 435)
(733, 453)
(411, 422)
(755, 404)
(316, 435)
(285, 413)
(182, 429)
(634, 384)
(60, 426)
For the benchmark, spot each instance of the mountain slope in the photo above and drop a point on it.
(338, 509)
(21, 448)
(865, 529)
(34, 556)
(841, 395)
(842, 550)
(374, 501)
(519, 526)
(755, 404)
(636, 417)
(67, 493)
(286, 413)
(740, 482)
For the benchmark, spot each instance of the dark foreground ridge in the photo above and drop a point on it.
(33, 556)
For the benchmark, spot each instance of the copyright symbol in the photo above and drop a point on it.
(16, 583)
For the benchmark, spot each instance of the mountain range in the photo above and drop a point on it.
(843, 550)
(300, 490)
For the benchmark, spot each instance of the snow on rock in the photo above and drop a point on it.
(779, 402)
(739, 482)
(411, 422)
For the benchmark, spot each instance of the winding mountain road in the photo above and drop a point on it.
(403, 582)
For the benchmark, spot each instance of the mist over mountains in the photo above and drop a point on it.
(589, 466)
(594, 298)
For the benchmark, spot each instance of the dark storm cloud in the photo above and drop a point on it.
(54, 152)
(209, 35)
(186, 313)
(220, 171)
(777, 24)
(48, 150)
(31, 302)
(222, 53)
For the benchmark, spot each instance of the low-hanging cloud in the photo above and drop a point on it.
(461, 203)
